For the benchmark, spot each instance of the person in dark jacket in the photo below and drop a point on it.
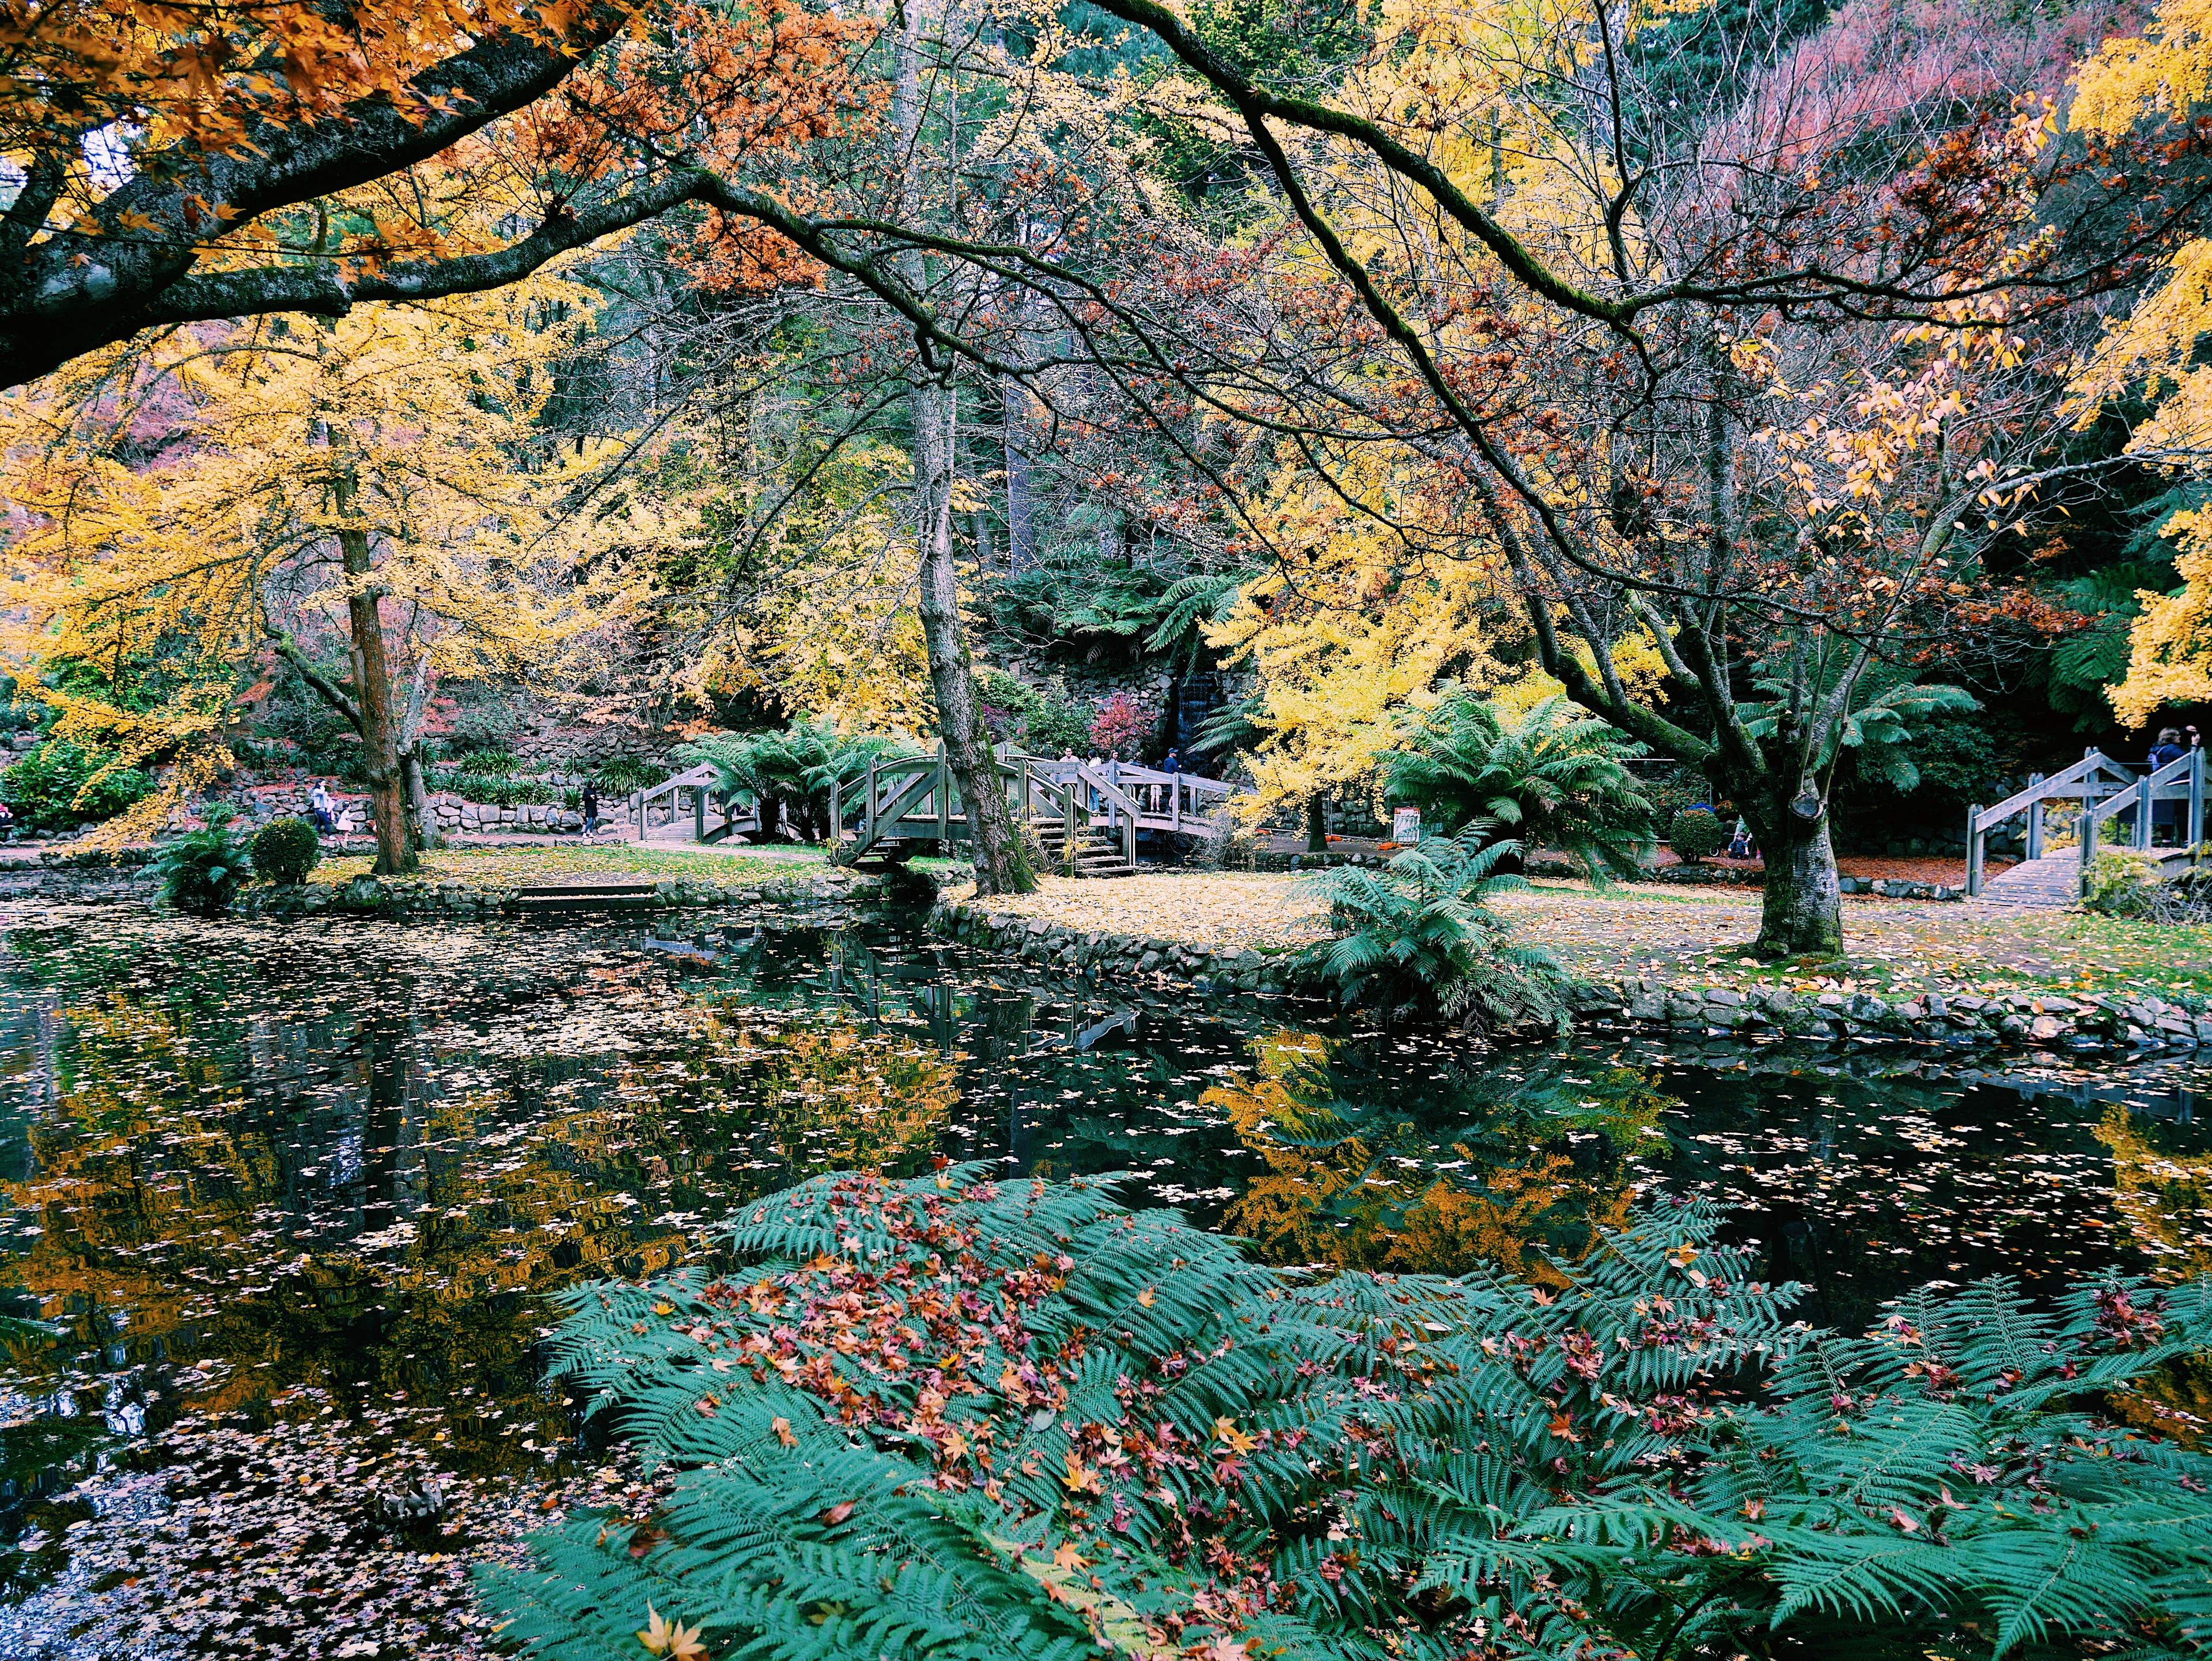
(590, 802)
(2166, 816)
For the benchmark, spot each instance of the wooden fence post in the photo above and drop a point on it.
(1973, 850)
(2035, 821)
(2195, 803)
(942, 791)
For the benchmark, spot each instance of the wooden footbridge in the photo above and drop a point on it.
(2105, 791)
(692, 800)
(1086, 816)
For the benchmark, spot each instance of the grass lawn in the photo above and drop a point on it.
(1682, 934)
(494, 867)
(1678, 933)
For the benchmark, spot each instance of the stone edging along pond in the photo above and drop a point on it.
(2023, 1020)
(451, 900)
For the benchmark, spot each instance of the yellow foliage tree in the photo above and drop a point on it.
(787, 574)
(2161, 74)
(196, 508)
(1344, 638)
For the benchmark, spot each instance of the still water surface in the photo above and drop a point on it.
(285, 1208)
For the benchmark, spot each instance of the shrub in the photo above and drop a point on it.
(956, 1418)
(1695, 834)
(1118, 727)
(493, 792)
(2119, 884)
(624, 773)
(201, 871)
(1417, 936)
(1042, 721)
(1226, 844)
(1005, 704)
(61, 784)
(285, 851)
(1554, 779)
(2188, 896)
(486, 763)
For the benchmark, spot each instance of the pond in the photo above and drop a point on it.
(289, 1209)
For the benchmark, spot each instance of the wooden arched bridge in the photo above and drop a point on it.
(1087, 817)
(2103, 793)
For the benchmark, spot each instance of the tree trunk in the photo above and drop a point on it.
(1000, 865)
(1802, 913)
(380, 735)
(1021, 528)
(422, 823)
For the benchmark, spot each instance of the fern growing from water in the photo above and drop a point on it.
(957, 1418)
(1419, 935)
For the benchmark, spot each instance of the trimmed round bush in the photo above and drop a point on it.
(1695, 834)
(285, 851)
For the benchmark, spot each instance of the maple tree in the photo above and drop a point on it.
(228, 502)
(187, 162)
(2153, 79)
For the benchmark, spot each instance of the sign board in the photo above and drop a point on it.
(1406, 826)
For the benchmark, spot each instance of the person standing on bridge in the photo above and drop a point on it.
(2166, 816)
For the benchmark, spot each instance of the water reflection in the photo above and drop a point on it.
(1538, 1161)
(329, 1179)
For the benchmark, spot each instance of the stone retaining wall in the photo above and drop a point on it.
(455, 814)
(2045, 1021)
(2029, 1020)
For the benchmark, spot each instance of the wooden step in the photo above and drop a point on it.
(612, 894)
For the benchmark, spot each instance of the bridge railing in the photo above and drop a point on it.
(697, 791)
(2181, 780)
(918, 797)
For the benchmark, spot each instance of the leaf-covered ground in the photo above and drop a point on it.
(1681, 934)
(1264, 912)
(1922, 945)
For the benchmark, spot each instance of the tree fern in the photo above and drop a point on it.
(1419, 935)
(955, 1417)
(1553, 779)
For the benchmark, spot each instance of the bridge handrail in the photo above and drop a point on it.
(2176, 771)
(2054, 788)
(887, 797)
(704, 773)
